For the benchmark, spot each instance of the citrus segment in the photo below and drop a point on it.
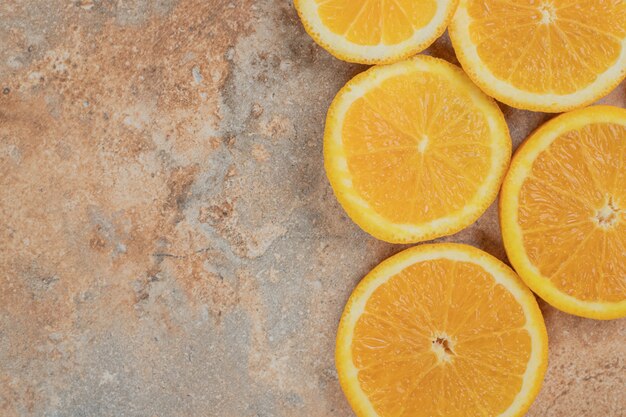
(375, 31)
(563, 212)
(549, 55)
(442, 329)
(414, 150)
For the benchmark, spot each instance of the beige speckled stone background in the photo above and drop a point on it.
(169, 244)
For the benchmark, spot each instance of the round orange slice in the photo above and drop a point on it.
(414, 150)
(542, 55)
(375, 31)
(441, 330)
(563, 212)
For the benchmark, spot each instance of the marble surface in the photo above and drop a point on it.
(169, 244)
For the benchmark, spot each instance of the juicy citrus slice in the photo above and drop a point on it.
(414, 150)
(375, 31)
(441, 330)
(563, 212)
(546, 55)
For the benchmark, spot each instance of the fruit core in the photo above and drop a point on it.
(423, 143)
(548, 14)
(608, 215)
(442, 346)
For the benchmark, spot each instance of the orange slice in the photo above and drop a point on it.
(414, 150)
(375, 31)
(563, 212)
(546, 55)
(441, 330)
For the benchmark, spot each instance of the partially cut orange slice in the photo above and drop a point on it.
(441, 330)
(543, 55)
(414, 150)
(375, 31)
(563, 212)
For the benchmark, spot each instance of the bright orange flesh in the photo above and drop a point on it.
(395, 342)
(374, 22)
(417, 149)
(573, 213)
(375, 31)
(441, 330)
(414, 150)
(556, 46)
(542, 55)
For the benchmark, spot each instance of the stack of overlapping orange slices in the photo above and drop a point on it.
(418, 149)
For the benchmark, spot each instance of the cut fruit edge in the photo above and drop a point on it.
(502, 274)
(507, 93)
(341, 48)
(359, 210)
(512, 234)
